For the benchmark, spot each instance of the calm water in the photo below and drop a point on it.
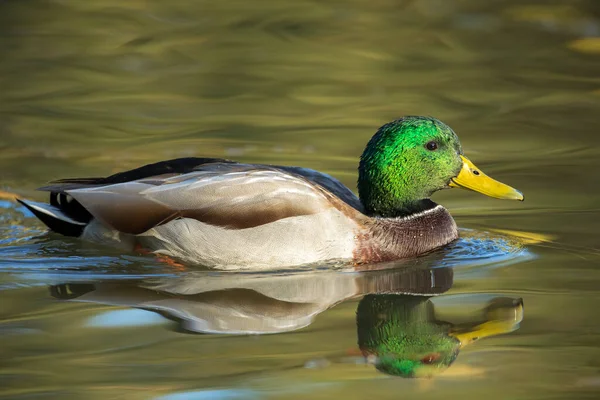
(91, 88)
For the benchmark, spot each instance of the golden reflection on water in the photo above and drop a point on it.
(91, 88)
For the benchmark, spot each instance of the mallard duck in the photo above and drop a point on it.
(227, 215)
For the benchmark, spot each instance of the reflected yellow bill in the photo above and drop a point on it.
(500, 321)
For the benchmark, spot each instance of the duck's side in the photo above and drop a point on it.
(212, 212)
(327, 234)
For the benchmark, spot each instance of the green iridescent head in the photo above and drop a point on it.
(405, 162)
(409, 159)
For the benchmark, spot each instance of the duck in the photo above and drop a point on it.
(227, 215)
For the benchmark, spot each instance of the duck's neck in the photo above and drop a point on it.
(395, 208)
(390, 201)
(408, 208)
(392, 206)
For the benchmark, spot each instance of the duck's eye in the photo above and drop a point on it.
(430, 358)
(431, 146)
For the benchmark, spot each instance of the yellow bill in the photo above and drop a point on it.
(471, 177)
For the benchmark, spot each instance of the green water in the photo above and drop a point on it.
(92, 88)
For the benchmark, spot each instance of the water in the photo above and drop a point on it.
(92, 88)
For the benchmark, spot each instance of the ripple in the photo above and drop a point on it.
(483, 250)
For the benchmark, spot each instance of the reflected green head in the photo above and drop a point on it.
(430, 357)
(403, 334)
(405, 162)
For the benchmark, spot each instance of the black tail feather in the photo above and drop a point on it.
(54, 218)
(67, 216)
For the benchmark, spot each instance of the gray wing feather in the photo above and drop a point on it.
(329, 183)
(236, 198)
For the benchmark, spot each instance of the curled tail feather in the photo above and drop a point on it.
(55, 218)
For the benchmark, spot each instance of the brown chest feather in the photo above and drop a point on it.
(388, 239)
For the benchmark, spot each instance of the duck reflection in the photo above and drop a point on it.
(237, 303)
(397, 323)
(402, 336)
